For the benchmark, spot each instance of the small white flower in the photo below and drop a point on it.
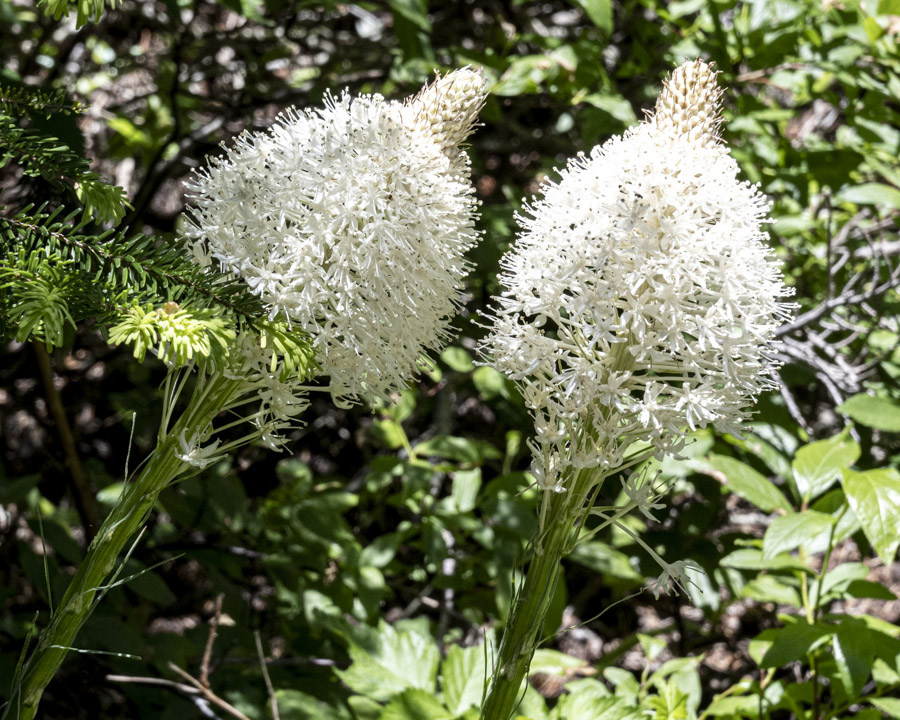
(352, 221)
(195, 454)
(640, 298)
(281, 400)
(675, 576)
(641, 492)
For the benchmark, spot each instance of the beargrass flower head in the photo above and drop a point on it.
(351, 221)
(640, 300)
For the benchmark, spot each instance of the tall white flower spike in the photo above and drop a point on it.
(640, 299)
(352, 221)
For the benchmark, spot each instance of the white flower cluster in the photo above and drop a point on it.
(352, 222)
(640, 299)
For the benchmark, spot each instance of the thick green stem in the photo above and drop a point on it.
(562, 518)
(122, 524)
(80, 598)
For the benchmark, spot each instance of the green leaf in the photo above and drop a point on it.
(416, 11)
(869, 589)
(15, 491)
(148, 584)
(853, 656)
(389, 432)
(491, 383)
(296, 705)
(748, 484)
(889, 706)
(415, 704)
(651, 645)
(752, 559)
(381, 550)
(817, 465)
(767, 588)
(875, 498)
(595, 703)
(604, 559)
(836, 581)
(794, 530)
(460, 449)
(553, 662)
(392, 662)
(871, 194)
(873, 412)
(456, 358)
(466, 484)
(463, 675)
(599, 11)
(733, 707)
(791, 643)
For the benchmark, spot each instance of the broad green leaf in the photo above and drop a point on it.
(873, 412)
(364, 708)
(884, 673)
(734, 707)
(834, 503)
(605, 559)
(869, 589)
(871, 194)
(767, 588)
(874, 496)
(853, 656)
(599, 11)
(416, 11)
(553, 662)
(875, 624)
(837, 580)
(775, 458)
(625, 684)
(491, 383)
(593, 705)
(415, 704)
(456, 358)
(460, 449)
(613, 105)
(466, 484)
(749, 484)
(147, 584)
(651, 645)
(393, 662)
(463, 676)
(389, 432)
(381, 550)
(296, 705)
(17, 490)
(889, 706)
(818, 465)
(795, 530)
(791, 643)
(752, 559)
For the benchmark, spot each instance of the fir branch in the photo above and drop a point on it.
(133, 269)
(47, 157)
(16, 101)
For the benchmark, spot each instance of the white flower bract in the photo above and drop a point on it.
(640, 299)
(352, 222)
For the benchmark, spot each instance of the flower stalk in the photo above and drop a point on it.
(87, 586)
(562, 521)
(171, 459)
(639, 303)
